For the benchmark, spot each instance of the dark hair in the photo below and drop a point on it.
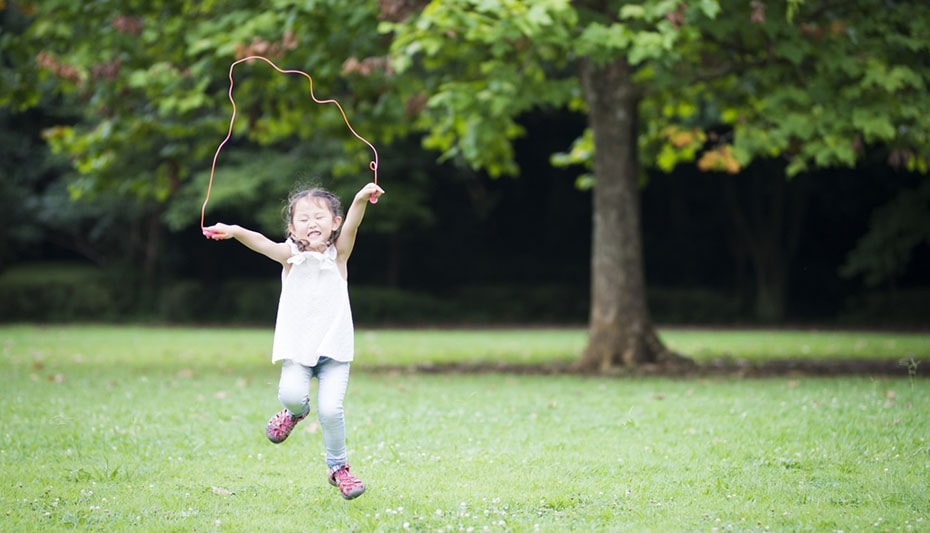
(315, 193)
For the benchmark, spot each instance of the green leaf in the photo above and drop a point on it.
(875, 127)
(632, 11)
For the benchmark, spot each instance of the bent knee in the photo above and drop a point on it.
(294, 402)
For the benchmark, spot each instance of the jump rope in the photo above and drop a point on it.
(373, 165)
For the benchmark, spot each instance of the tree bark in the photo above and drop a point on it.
(621, 333)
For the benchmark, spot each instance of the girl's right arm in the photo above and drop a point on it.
(277, 251)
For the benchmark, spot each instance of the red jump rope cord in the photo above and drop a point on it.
(373, 165)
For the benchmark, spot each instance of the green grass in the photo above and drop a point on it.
(404, 347)
(161, 429)
(390, 347)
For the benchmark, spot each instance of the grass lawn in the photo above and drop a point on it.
(161, 429)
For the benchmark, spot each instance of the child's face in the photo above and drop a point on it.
(313, 222)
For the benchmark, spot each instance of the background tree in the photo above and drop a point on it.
(470, 76)
(148, 82)
(482, 64)
(896, 229)
(825, 86)
(814, 84)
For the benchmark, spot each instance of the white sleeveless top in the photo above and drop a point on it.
(314, 317)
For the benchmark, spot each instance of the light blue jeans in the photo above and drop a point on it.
(332, 380)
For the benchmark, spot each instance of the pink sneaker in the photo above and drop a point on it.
(349, 485)
(281, 424)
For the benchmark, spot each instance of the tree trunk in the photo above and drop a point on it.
(621, 333)
(151, 252)
(767, 220)
(394, 261)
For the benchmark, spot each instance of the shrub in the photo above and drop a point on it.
(389, 306)
(692, 306)
(184, 301)
(521, 303)
(56, 292)
(900, 308)
(250, 300)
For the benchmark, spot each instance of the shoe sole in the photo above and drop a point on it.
(353, 495)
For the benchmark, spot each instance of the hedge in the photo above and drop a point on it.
(76, 293)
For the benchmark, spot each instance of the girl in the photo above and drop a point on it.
(313, 333)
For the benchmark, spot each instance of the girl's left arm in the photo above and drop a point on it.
(356, 212)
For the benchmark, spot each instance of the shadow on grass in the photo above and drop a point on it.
(914, 368)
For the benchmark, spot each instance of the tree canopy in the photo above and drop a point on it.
(145, 84)
(135, 97)
(724, 83)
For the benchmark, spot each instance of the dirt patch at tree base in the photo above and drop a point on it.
(716, 368)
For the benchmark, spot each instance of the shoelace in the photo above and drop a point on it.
(343, 477)
(283, 421)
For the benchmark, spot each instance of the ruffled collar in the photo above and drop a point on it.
(326, 258)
